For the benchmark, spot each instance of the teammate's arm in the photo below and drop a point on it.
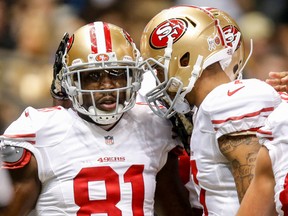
(27, 188)
(241, 151)
(259, 198)
(171, 196)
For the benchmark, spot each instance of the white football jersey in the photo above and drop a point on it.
(147, 84)
(86, 170)
(274, 135)
(238, 106)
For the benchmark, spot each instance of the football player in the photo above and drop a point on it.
(235, 40)
(268, 191)
(185, 49)
(104, 155)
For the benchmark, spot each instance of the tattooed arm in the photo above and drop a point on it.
(259, 198)
(241, 151)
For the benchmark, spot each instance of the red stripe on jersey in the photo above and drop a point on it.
(141, 103)
(264, 132)
(194, 171)
(20, 135)
(184, 167)
(145, 103)
(108, 40)
(253, 114)
(284, 96)
(203, 202)
(25, 137)
(93, 40)
(283, 197)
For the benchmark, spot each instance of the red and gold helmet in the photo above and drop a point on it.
(234, 38)
(182, 41)
(101, 47)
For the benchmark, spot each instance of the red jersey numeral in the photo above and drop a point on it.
(133, 175)
(284, 197)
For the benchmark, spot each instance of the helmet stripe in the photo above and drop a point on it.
(220, 32)
(93, 39)
(107, 37)
(100, 38)
(96, 38)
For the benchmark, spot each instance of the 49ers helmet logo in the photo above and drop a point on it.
(230, 33)
(174, 28)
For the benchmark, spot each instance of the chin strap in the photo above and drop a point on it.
(167, 56)
(181, 105)
(240, 73)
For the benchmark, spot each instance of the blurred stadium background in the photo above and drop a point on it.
(30, 31)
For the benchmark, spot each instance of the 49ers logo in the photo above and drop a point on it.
(230, 33)
(174, 28)
(101, 57)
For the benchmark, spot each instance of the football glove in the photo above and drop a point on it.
(56, 90)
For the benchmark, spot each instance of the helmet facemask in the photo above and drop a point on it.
(171, 93)
(102, 105)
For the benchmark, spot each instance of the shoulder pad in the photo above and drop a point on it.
(14, 157)
(11, 154)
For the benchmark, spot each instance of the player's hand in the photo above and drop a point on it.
(278, 80)
(57, 91)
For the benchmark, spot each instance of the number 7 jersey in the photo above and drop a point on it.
(86, 170)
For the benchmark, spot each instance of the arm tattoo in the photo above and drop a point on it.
(241, 151)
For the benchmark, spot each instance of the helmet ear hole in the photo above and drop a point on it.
(235, 68)
(184, 61)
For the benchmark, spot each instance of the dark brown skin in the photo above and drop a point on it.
(27, 188)
(259, 198)
(210, 78)
(241, 151)
(171, 197)
(64, 103)
(101, 80)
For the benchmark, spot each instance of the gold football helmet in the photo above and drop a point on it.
(98, 50)
(234, 38)
(178, 44)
